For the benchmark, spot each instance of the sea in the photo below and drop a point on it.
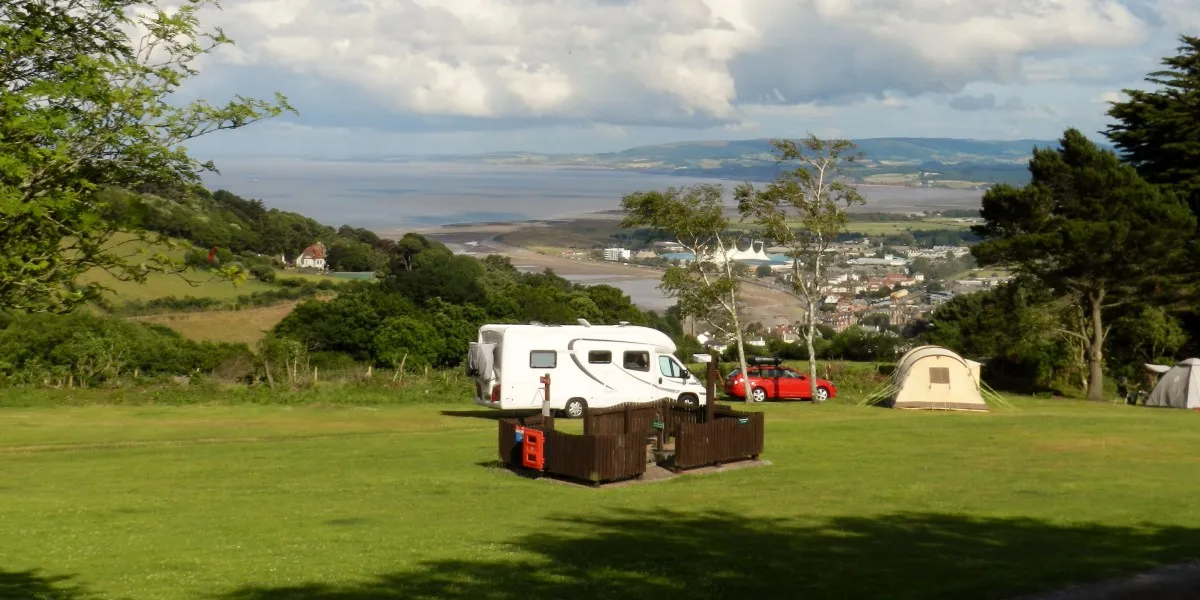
(391, 198)
(394, 197)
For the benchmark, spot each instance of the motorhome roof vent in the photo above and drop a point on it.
(622, 322)
(584, 322)
(534, 323)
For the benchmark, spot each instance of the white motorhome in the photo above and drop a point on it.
(588, 365)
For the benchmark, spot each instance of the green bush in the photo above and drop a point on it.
(91, 350)
(263, 273)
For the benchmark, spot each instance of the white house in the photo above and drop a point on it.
(313, 257)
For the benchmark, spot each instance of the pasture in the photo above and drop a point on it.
(112, 496)
(895, 227)
(247, 325)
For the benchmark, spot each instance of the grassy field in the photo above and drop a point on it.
(893, 227)
(236, 326)
(386, 502)
(160, 285)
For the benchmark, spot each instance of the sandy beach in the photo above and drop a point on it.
(764, 304)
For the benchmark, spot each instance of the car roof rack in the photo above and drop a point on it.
(764, 360)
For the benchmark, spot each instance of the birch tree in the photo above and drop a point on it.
(707, 288)
(804, 209)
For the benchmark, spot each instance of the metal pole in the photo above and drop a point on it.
(710, 406)
(547, 418)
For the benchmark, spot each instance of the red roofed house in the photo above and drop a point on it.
(313, 257)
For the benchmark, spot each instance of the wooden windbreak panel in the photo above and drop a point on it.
(939, 375)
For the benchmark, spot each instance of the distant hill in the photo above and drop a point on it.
(930, 162)
(902, 150)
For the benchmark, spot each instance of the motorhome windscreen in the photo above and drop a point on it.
(599, 357)
(669, 368)
(543, 359)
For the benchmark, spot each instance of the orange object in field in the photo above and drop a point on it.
(531, 449)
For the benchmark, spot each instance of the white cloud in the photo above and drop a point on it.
(684, 62)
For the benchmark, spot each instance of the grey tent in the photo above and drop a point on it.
(1179, 387)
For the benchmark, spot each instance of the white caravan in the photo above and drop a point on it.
(588, 365)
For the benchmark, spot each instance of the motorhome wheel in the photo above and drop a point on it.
(575, 408)
(689, 400)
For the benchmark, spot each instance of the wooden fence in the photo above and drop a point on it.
(595, 458)
(588, 457)
(640, 417)
(729, 437)
(613, 444)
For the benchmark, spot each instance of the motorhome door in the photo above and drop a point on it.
(671, 376)
(636, 363)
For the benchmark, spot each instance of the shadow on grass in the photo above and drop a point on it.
(721, 555)
(33, 585)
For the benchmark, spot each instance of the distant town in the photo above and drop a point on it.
(879, 287)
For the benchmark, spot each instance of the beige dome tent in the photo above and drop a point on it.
(1178, 387)
(934, 378)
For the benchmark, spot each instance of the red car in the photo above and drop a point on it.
(777, 382)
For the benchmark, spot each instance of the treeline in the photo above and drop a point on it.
(423, 312)
(921, 238)
(429, 305)
(241, 229)
(854, 344)
(86, 349)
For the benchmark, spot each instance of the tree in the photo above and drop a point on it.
(1013, 327)
(350, 255)
(804, 209)
(763, 271)
(707, 288)
(1091, 229)
(1158, 131)
(83, 107)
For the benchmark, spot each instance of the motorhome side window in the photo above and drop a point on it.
(543, 359)
(599, 357)
(637, 361)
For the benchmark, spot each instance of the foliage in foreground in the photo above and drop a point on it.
(83, 106)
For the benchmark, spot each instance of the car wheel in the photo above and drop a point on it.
(575, 408)
(821, 395)
(689, 400)
(758, 394)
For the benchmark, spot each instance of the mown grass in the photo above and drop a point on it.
(356, 502)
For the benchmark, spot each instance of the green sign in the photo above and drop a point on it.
(659, 425)
(743, 420)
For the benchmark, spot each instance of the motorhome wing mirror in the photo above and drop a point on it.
(686, 373)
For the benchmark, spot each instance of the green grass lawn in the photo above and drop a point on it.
(372, 502)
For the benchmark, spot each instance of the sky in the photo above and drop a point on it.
(395, 77)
